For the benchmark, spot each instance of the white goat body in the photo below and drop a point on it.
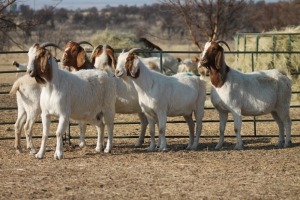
(87, 96)
(250, 94)
(27, 92)
(161, 96)
(127, 97)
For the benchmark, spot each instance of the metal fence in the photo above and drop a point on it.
(254, 120)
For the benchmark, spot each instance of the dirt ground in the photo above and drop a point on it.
(260, 171)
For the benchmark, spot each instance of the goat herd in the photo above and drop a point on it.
(130, 85)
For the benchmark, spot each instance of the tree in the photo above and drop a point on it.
(9, 22)
(208, 19)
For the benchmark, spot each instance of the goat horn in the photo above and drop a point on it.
(97, 47)
(223, 42)
(135, 49)
(49, 44)
(85, 42)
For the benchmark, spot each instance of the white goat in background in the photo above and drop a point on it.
(248, 94)
(127, 97)
(189, 65)
(161, 96)
(169, 62)
(87, 95)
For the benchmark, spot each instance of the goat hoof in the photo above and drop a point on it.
(32, 151)
(138, 144)
(239, 147)
(18, 151)
(151, 149)
(39, 156)
(107, 150)
(280, 144)
(288, 144)
(194, 147)
(218, 147)
(165, 149)
(98, 149)
(82, 144)
(58, 155)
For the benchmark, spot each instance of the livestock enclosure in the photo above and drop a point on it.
(261, 171)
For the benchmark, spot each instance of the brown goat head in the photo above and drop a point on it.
(74, 55)
(213, 59)
(42, 65)
(98, 51)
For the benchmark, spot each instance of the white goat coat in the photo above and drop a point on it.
(175, 95)
(161, 96)
(74, 94)
(28, 92)
(254, 93)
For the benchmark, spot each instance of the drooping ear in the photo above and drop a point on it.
(131, 65)
(44, 62)
(219, 60)
(110, 53)
(81, 58)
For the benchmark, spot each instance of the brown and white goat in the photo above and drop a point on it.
(248, 94)
(75, 57)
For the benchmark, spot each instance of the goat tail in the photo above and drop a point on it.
(15, 87)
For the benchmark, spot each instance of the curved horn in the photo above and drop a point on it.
(97, 47)
(49, 44)
(135, 49)
(85, 42)
(223, 42)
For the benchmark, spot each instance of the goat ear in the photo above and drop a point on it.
(45, 62)
(81, 59)
(112, 57)
(131, 65)
(135, 67)
(219, 59)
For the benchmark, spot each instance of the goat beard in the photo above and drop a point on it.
(40, 80)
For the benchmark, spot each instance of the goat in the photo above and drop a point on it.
(161, 96)
(66, 95)
(75, 58)
(248, 94)
(189, 65)
(19, 66)
(168, 62)
(127, 97)
(28, 93)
